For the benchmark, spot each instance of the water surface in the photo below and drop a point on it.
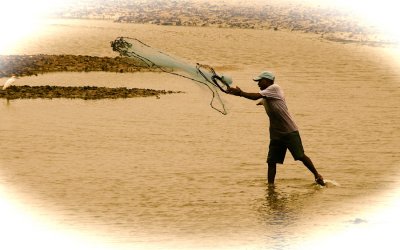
(173, 172)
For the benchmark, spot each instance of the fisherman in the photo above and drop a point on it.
(284, 133)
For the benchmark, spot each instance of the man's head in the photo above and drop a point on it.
(265, 79)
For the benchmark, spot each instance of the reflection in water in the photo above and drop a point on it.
(281, 214)
(276, 207)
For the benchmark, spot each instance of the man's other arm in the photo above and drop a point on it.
(238, 92)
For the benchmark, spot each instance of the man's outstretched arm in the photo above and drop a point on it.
(238, 92)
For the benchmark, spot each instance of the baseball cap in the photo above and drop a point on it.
(265, 74)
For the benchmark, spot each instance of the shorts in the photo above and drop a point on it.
(278, 147)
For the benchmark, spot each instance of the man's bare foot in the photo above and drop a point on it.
(319, 180)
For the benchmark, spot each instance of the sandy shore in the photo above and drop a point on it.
(85, 92)
(27, 65)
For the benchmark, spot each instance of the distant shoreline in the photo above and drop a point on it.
(333, 24)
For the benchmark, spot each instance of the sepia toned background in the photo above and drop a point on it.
(173, 173)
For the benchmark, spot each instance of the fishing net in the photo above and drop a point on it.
(203, 75)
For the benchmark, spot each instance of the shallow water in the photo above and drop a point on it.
(173, 172)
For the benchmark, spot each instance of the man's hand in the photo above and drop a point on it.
(234, 91)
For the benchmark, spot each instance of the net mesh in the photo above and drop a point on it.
(203, 75)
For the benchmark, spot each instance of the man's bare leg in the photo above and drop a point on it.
(271, 172)
(308, 163)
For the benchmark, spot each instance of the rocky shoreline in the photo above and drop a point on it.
(84, 92)
(28, 65)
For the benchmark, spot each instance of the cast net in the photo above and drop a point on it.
(203, 75)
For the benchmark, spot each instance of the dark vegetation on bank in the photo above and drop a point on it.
(28, 65)
(85, 92)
